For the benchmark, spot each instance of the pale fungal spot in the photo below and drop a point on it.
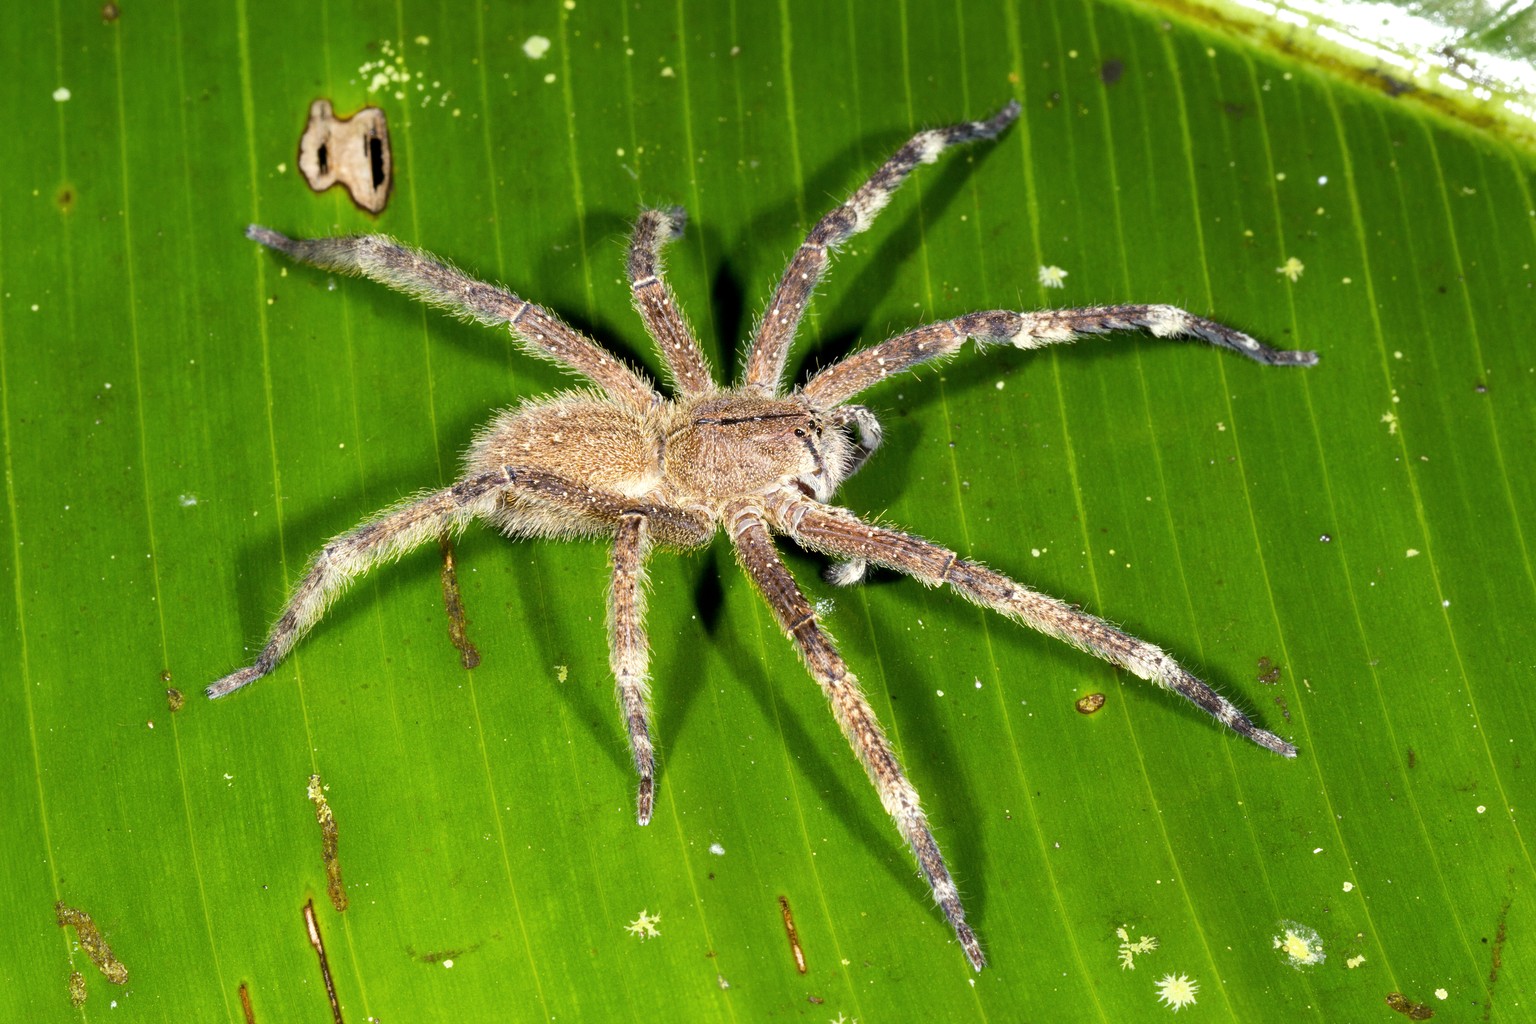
(1052, 277)
(1177, 991)
(1481, 808)
(1413, 553)
(1349, 886)
(1390, 419)
(549, 79)
(1441, 993)
(562, 673)
(448, 964)
(644, 926)
(1355, 961)
(1300, 944)
(668, 73)
(1292, 268)
(535, 47)
(717, 849)
(61, 94)
(1130, 948)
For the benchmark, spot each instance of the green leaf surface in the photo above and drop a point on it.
(185, 418)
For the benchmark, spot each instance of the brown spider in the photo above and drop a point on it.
(624, 462)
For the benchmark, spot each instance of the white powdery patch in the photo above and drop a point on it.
(929, 146)
(1167, 321)
(1300, 945)
(1292, 269)
(1036, 331)
(535, 47)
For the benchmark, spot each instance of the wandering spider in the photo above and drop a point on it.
(622, 461)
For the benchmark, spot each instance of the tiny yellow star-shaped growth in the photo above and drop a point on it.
(1052, 277)
(644, 926)
(1292, 268)
(1177, 991)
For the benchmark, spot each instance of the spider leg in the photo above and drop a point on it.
(841, 381)
(430, 280)
(508, 495)
(836, 531)
(387, 536)
(854, 716)
(658, 306)
(776, 332)
(629, 651)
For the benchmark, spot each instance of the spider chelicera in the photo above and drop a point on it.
(624, 462)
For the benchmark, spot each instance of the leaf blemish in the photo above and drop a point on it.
(453, 602)
(329, 838)
(794, 935)
(92, 944)
(351, 151)
(312, 926)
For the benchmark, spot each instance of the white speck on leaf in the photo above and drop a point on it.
(535, 47)
(1292, 269)
(61, 94)
(1052, 277)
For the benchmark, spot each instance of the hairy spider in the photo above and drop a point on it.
(621, 461)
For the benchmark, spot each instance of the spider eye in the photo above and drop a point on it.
(799, 432)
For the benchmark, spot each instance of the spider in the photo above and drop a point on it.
(621, 461)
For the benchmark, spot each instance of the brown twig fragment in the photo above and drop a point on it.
(313, 927)
(91, 942)
(245, 1004)
(457, 628)
(794, 936)
(328, 840)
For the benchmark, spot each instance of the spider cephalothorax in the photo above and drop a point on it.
(622, 461)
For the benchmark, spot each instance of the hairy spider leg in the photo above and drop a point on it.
(386, 536)
(754, 548)
(430, 280)
(776, 331)
(629, 651)
(395, 531)
(868, 367)
(657, 305)
(836, 531)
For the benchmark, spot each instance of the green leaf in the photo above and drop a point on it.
(185, 418)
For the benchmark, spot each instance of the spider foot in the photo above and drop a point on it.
(645, 800)
(232, 682)
(972, 948)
